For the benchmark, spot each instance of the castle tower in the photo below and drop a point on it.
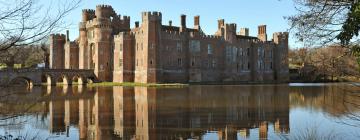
(84, 48)
(102, 43)
(124, 58)
(57, 42)
(146, 59)
(71, 57)
(262, 33)
(281, 64)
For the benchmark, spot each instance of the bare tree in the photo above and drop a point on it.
(25, 22)
(327, 22)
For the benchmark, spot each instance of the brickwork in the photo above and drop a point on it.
(155, 53)
(57, 42)
(71, 55)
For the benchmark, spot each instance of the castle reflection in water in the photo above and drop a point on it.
(180, 113)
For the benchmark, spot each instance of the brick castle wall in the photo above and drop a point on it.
(155, 53)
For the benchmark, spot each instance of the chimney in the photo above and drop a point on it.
(221, 23)
(197, 22)
(183, 21)
(136, 24)
(67, 35)
(170, 23)
(262, 32)
(244, 32)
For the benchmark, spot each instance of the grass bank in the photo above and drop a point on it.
(131, 84)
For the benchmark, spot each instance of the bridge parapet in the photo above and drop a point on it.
(36, 76)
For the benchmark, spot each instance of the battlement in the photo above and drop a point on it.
(90, 11)
(103, 6)
(88, 14)
(58, 36)
(151, 16)
(104, 11)
(210, 37)
(172, 34)
(107, 26)
(284, 34)
(122, 35)
(125, 18)
(231, 27)
(280, 37)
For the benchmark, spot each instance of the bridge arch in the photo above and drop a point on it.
(79, 79)
(28, 81)
(64, 79)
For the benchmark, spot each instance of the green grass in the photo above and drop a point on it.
(131, 84)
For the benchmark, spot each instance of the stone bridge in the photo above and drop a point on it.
(48, 76)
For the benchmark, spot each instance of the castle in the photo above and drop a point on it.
(155, 53)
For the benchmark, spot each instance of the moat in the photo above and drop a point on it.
(283, 111)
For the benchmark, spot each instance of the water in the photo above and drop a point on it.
(288, 111)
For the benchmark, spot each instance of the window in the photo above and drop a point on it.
(152, 46)
(178, 47)
(248, 52)
(120, 62)
(151, 62)
(210, 51)
(248, 67)
(141, 46)
(169, 60)
(213, 63)
(194, 46)
(193, 61)
(179, 61)
(271, 67)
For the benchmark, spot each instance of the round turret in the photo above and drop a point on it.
(88, 14)
(104, 11)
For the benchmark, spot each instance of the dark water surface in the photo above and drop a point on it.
(288, 111)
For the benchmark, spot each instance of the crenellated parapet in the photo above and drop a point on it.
(124, 35)
(58, 39)
(104, 11)
(151, 16)
(169, 34)
(62, 36)
(231, 27)
(281, 37)
(88, 14)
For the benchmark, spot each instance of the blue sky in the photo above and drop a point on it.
(246, 13)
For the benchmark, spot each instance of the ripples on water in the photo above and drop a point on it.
(294, 111)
